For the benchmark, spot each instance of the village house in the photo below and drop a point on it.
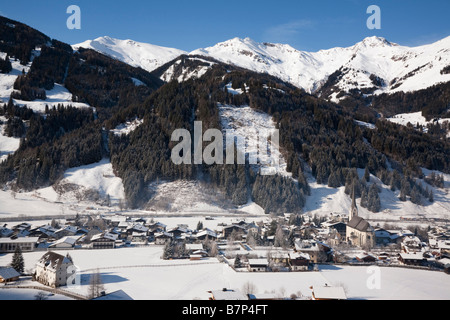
(386, 237)
(8, 245)
(299, 262)
(8, 274)
(339, 226)
(64, 243)
(163, 238)
(411, 244)
(317, 251)
(412, 259)
(53, 270)
(104, 241)
(206, 234)
(258, 265)
(234, 230)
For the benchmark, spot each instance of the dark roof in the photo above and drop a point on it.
(359, 224)
(53, 260)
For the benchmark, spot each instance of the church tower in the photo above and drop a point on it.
(354, 209)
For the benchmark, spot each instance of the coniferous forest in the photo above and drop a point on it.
(315, 134)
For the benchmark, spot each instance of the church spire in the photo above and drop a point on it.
(354, 209)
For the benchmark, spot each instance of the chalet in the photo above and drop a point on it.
(104, 241)
(411, 244)
(317, 251)
(385, 237)
(8, 245)
(157, 227)
(206, 234)
(258, 265)
(53, 270)
(299, 262)
(8, 274)
(339, 226)
(364, 257)
(163, 238)
(227, 294)
(328, 293)
(237, 230)
(412, 259)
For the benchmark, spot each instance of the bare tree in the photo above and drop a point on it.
(95, 285)
(40, 296)
(249, 288)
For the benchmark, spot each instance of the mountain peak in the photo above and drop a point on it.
(375, 41)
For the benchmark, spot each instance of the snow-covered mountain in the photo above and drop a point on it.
(147, 56)
(372, 63)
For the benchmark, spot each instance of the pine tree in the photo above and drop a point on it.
(373, 203)
(17, 260)
(367, 174)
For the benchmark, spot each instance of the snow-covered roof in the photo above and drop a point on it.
(258, 262)
(19, 240)
(228, 294)
(333, 293)
(8, 273)
(106, 235)
(67, 240)
(52, 260)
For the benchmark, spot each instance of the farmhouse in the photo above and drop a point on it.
(53, 270)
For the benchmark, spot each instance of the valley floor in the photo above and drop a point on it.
(142, 275)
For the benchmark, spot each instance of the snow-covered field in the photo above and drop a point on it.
(144, 276)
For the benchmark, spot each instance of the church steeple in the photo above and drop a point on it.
(354, 209)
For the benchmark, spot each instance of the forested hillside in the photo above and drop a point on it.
(315, 135)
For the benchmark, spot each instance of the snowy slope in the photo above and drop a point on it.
(400, 68)
(147, 56)
(8, 145)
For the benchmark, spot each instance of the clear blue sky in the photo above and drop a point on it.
(188, 25)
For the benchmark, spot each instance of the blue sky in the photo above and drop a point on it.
(188, 25)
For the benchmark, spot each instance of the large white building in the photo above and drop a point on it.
(54, 270)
